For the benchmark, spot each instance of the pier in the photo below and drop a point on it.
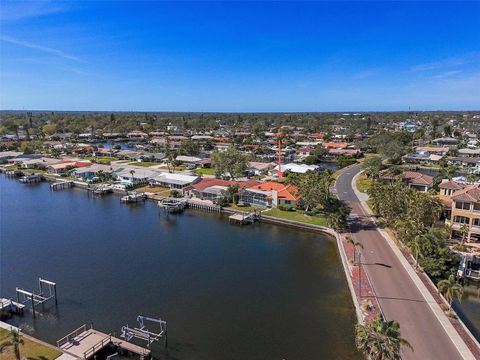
(31, 179)
(203, 205)
(133, 197)
(85, 343)
(172, 205)
(469, 267)
(60, 185)
(100, 189)
(244, 218)
(40, 297)
(11, 306)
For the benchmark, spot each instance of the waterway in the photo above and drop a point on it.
(227, 292)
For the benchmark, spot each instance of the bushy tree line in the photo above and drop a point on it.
(412, 214)
(314, 187)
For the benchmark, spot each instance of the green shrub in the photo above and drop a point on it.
(283, 207)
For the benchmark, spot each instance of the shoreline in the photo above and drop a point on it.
(330, 235)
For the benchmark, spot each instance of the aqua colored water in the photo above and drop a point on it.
(227, 292)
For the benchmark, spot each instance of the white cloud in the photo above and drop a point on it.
(41, 48)
(447, 62)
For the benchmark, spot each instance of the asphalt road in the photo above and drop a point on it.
(397, 294)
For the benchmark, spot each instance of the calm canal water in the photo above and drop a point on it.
(227, 292)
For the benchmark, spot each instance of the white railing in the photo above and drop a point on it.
(72, 335)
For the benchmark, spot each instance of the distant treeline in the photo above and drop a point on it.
(122, 122)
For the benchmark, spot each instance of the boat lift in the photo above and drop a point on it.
(41, 297)
(143, 333)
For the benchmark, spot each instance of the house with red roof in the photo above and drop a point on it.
(65, 165)
(271, 194)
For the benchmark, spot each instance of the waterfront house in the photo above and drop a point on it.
(40, 163)
(465, 210)
(5, 156)
(65, 165)
(270, 194)
(90, 173)
(176, 181)
(213, 189)
(135, 174)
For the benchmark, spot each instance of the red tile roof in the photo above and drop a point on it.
(469, 193)
(451, 185)
(413, 177)
(286, 192)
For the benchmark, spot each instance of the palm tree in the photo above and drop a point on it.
(355, 245)
(451, 289)
(416, 248)
(464, 230)
(132, 172)
(15, 341)
(380, 339)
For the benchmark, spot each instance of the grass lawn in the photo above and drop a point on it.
(297, 216)
(143, 163)
(363, 183)
(30, 349)
(104, 160)
(205, 171)
(246, 208)
(154, 189)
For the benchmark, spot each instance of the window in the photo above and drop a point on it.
(462, 205)
(476, 222)
(461, 220)
(476, 207)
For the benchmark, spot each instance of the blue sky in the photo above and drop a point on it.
(239, 56)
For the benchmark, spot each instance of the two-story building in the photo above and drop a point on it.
(465, 212)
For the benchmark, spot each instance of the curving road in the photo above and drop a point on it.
(397, 294)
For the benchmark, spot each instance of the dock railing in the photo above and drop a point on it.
(71, 335)
(107, 339)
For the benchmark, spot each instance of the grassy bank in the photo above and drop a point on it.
(296, 216)
(363, 183)
(246, 208)
(31, 350)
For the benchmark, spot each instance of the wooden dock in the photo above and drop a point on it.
(244, 218)
(31, 179)
(204, 205)
(85, 342)
(11, 306)
(60, 185)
